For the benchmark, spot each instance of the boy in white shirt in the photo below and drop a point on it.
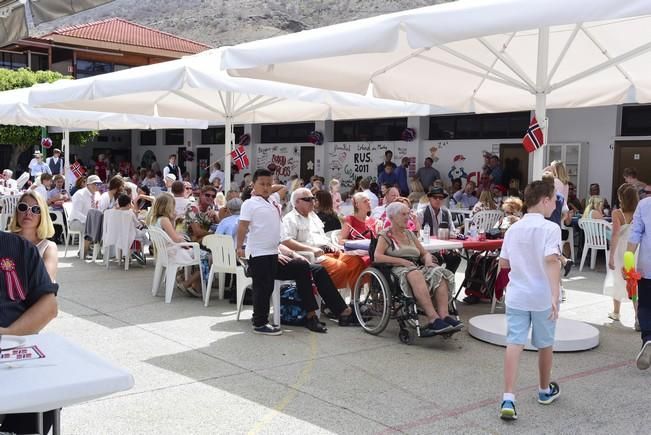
(532, 250)
(260, 218)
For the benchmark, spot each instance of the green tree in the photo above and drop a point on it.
(24, 138)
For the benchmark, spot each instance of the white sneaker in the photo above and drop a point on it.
(644, 357)
(613, 316)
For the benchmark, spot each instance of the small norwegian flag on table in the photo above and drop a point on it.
(533, 139)
(239, 157)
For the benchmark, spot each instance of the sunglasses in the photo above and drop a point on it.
(23, 207)
(188, 188)
(209, 196)
(308, 199)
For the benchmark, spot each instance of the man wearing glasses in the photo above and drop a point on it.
(201, 215)
(302, 231)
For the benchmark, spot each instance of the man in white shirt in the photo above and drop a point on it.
(435, 215)
(172, 168)
(42, 187)
(365, 185)
(303, 232)
(37, 166)
(9, 182)
(217, 173)
(82, 201)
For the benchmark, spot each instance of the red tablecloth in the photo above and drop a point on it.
(486, 245)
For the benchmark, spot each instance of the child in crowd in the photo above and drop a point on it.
(532, 251)
(486, 202)
(260, 219)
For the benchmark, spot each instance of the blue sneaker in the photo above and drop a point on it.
(267, 330)
(507, 411)
(546, 398)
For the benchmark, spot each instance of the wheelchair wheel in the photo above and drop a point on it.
(372, 300)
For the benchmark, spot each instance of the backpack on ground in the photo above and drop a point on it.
(291, 310)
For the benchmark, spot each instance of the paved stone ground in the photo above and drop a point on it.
(199, 371)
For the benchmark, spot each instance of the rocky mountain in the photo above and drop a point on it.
(228, 22)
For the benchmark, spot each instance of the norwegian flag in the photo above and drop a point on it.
(77, 170)
(239, 157)
(533, 139)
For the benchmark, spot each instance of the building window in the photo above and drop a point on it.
(511, 125)
(370, 130)
(89, 68)
(12, 60)
(174, 137)
(215, 135)
(39, 62)
(148, 137)
(286, 133)
(636, 120)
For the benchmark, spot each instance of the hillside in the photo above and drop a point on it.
(228, 22)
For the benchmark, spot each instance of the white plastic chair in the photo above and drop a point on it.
(275, 300)
(334, 236)
(161, 241)
(58, 221)
(569, 239)
(595, 232)
(118, 232)
(483, 220)
(8, 204)
(67, 208)
(224, 260)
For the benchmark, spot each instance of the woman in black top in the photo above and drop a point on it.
(325, 211)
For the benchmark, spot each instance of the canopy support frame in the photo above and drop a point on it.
(541, 99)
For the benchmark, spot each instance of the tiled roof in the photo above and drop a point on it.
(119, 31)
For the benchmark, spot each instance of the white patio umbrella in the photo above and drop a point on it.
(14, 110)
(194, 87)
(473, 56)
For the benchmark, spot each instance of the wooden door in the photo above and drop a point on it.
(307, 163)
(515, 161)
(631, 154)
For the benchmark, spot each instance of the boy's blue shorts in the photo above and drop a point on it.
(518, 323)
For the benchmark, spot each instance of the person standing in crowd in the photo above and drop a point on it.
(559, 216)
(37, 166)
(561, 179)
(25, 314)
(641, 237)
(532, 250)
(427, 175)
(388, 176)
(630, 177)
(55, 163)
(614, 284)
(172, 168)
(435, 215)
(466, 198)
(260, 224)
(496, 172)
(388, 155)
(402, 178)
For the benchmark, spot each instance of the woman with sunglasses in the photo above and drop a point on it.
(31, 220)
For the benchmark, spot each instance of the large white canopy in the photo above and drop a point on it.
(195, 87)
(480, 56)
(15, 110)
(473, 56)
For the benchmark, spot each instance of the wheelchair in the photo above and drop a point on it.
(377, 298)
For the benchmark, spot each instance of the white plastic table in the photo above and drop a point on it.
(66, 376)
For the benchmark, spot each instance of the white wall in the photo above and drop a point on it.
(596, 126)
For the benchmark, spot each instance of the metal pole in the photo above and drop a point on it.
(65, 143)
(541, 99)
(228, 141)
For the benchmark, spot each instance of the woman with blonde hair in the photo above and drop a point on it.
(512, 208)
(594, 208)
(417, 191)
(561, 179)
(486, 202)
(615, 285)
(32, 222)
(162, 216)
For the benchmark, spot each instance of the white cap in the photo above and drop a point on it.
(171, 177)
(93, 179)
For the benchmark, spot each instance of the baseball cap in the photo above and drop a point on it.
(93, 179)
(437, 191)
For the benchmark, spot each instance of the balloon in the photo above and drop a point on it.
(629, 260)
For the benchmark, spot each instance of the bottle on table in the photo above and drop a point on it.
(425, 233)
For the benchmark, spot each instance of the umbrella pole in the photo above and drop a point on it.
(541, 99)
(65, 143)
(228, 141)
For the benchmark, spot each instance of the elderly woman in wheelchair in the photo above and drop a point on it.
(401, 259)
